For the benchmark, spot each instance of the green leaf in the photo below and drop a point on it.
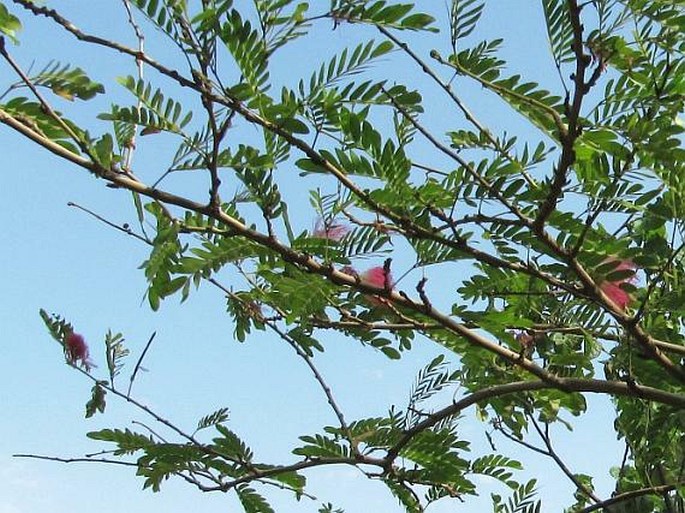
(393, 15)
(33, 115)
(9, 24)
(231, 445)
(498, 467)
(319, 446)
(57, 326)
(252, 501)
(463, 18)
(218, 417)
(559, 30)
(97, 401)
(103, 149)
(403, 493)
(67, 82)
(127, 441)
(116, 352)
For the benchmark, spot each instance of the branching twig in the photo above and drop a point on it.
(568, 136)
(302, 354)
(123, 228)
(482, 130)
(580, 486)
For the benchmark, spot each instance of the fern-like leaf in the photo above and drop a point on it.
(218, 417)
(559, 30)
(464, 16)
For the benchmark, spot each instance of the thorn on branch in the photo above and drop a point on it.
(420, 288)
(387, 276)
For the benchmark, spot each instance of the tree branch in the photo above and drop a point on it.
(626, 496)
(614, 388)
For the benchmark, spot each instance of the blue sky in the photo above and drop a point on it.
(57, 258)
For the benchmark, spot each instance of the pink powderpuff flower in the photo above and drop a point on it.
(331, 230)
(76, 351)
(378, 277)
(613, 290)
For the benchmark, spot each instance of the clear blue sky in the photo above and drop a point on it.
(57, 258)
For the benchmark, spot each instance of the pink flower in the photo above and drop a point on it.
(331, 229)
(378, 277)
(613, 289)
(76, 351)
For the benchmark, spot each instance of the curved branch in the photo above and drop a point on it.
(614, 388)
(622, 497)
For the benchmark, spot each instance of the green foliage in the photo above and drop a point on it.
(280, 26)
(559, 30)
(463, 18)
(319, 446)
(127, 441)
(328, 508)
(430, 380)
(116, 353)
(544, 267)
(249, 50)
(67, 82)
(164, 257)
(405, 496)
(521, 501)
(32, 115)
(97, 401)
(163, 13)
(220, 416)
(437, 453)
(383, 13)
(58, 327)
(9, 24)
(153, 113)
(252, 501)
(345, 65)
(498, 467)
(230, 445)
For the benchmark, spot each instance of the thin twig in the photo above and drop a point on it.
(580, 486)
(302, 354)
(77, 460)
(139, 362)
(131, 144)
(123, 228)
